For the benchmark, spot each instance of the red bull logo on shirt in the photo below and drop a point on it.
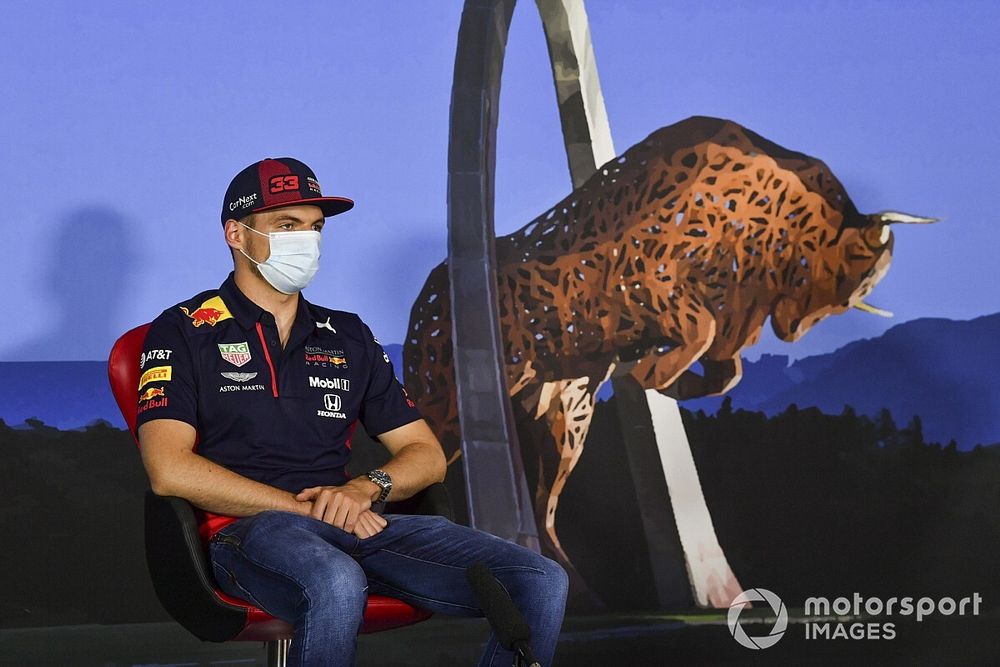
(154, 397)
(152, 393)
(211, 312)
(326, 360)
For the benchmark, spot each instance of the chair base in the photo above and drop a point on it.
(277, 652)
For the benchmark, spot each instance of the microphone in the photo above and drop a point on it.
(507, 622)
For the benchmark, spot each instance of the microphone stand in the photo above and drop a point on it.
(507, 622)
(523, 656)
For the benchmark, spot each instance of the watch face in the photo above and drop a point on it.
(381, 478)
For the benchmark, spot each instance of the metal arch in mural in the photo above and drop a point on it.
(491, 461)
(496, 491)
(660, 457)
(584, 119)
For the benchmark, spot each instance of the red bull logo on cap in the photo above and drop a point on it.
(211, 312)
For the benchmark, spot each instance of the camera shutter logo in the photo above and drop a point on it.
(757, 595)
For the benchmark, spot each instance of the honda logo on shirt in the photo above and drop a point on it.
(332, 402)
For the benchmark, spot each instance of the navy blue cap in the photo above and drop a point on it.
(276, 182)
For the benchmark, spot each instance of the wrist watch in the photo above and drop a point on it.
(381, 478)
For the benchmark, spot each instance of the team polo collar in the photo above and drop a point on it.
(248, 313)
(244, 311)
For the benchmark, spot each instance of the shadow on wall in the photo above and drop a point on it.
(93, 254)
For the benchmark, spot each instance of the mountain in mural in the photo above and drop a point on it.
(942, 370)
(64, 394)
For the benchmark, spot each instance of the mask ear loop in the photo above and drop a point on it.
(253, 230)
(255, 262)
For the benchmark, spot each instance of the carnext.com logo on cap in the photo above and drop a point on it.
(244, 201)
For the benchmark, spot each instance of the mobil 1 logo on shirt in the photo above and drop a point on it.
(341, 384)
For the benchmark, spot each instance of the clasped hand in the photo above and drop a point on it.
(347, 507)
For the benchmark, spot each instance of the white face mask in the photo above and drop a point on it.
(293, 262)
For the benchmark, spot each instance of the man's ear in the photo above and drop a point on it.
(234, 234)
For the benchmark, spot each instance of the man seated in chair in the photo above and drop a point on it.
(248, 398)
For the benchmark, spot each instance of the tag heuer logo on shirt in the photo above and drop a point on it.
(237, 354)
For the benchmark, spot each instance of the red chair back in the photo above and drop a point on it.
(123, 373)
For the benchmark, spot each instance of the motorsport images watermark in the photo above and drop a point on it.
(822, 617)
(739, 603)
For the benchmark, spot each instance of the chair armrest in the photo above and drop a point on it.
(432, 500)
(179, 568)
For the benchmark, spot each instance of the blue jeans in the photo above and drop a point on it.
(317, 577)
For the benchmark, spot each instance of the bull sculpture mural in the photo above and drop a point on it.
(676, 252)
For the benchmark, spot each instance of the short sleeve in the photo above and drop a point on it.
(386, 405)
(166, 375)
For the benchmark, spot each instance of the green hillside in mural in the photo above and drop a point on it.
(804, 503)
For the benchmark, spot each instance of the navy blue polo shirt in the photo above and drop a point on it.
(283, 417)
